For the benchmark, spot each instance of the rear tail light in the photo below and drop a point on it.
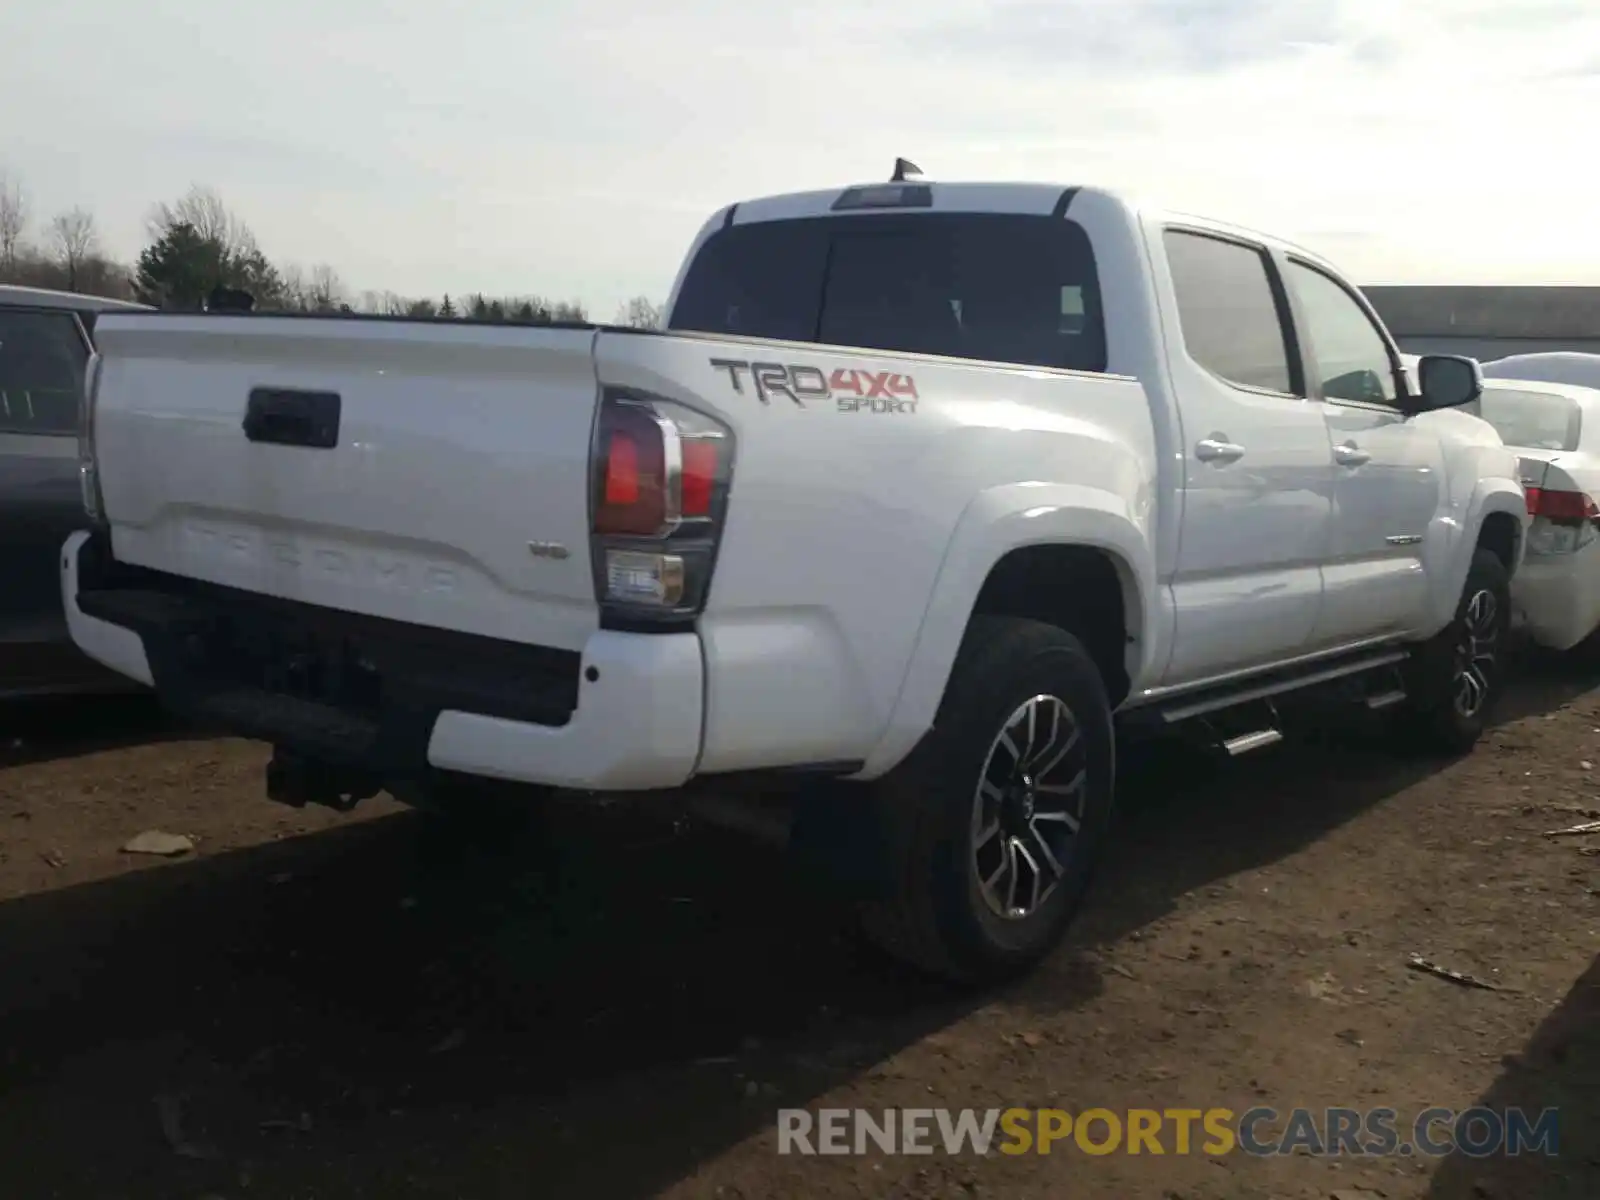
(660, 474)
(1563, 522)
(1562, 506)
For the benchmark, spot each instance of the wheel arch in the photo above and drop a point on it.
(1492, 518)
(1501, 535)
(1073, 557)
(1086, 590)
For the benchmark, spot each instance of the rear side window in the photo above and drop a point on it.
(1230, 313)
(1533, 420)
(42, 364)
(1001, 288)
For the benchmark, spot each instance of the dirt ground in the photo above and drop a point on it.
(311, 1005)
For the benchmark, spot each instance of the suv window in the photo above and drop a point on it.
(1230, 314)
(1002, 288)
(42, 364)
(1353, 358)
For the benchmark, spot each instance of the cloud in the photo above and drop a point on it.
(569, 150)
(1185, 36)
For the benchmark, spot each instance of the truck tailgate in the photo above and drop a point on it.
(457, 448)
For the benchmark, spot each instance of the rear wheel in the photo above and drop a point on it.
(993, 825)
(1454, 680)
(1586, 653)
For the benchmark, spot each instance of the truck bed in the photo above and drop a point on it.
(458, 496)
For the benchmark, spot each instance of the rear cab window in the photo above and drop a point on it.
(1005, 288)
(43, 358)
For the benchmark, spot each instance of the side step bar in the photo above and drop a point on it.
(1247, 742)
(1184, 709)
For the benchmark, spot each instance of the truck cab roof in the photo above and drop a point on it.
(1024, 198)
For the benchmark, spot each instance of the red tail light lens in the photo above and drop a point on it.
(700, 464)
(1562, 506)
(622, 470)
(633, 470)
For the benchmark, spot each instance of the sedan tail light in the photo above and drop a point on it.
(1563, 522)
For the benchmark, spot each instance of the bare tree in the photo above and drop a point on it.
(202, 209)
(327, 290)
(639, 313)
(75, 241)
(295, 289)
(383, 304)
(13, 221)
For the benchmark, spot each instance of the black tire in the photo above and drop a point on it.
(1446, 714)
(1585, 653)
(933, 913)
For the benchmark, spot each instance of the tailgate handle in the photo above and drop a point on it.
(290, 417)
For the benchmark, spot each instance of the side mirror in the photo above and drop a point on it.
(1447, 381)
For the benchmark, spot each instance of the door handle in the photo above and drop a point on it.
(1350, 455)
(1218, 450)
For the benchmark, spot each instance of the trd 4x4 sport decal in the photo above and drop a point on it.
(853, 389)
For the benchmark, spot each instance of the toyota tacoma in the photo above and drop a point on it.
(926, 490)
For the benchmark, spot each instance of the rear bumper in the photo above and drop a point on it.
(1559, 596)
(625, 713)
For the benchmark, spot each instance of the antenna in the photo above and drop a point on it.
(904, 167)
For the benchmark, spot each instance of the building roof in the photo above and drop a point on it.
(1488, 311)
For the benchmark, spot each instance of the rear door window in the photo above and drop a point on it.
(1232, 316)
(42, 364)
(995, 287)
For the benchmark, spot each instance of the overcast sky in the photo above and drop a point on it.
(572, 149)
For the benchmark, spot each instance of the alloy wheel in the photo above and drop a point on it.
(1476, 651)
(1028, 807)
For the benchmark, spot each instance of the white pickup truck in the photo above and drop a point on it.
(925, 490)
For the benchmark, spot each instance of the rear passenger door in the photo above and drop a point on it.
(1257, 466)
(43, 357)
(1389, 484)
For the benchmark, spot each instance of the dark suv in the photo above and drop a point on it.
(45, 342)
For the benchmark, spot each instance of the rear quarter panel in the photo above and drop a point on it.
(855, 529)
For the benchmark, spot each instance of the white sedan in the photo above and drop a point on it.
(1551, 366)
(1555, 430)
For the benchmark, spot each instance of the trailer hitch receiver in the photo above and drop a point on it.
(297, 781)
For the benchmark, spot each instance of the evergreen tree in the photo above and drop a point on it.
(177, 270)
